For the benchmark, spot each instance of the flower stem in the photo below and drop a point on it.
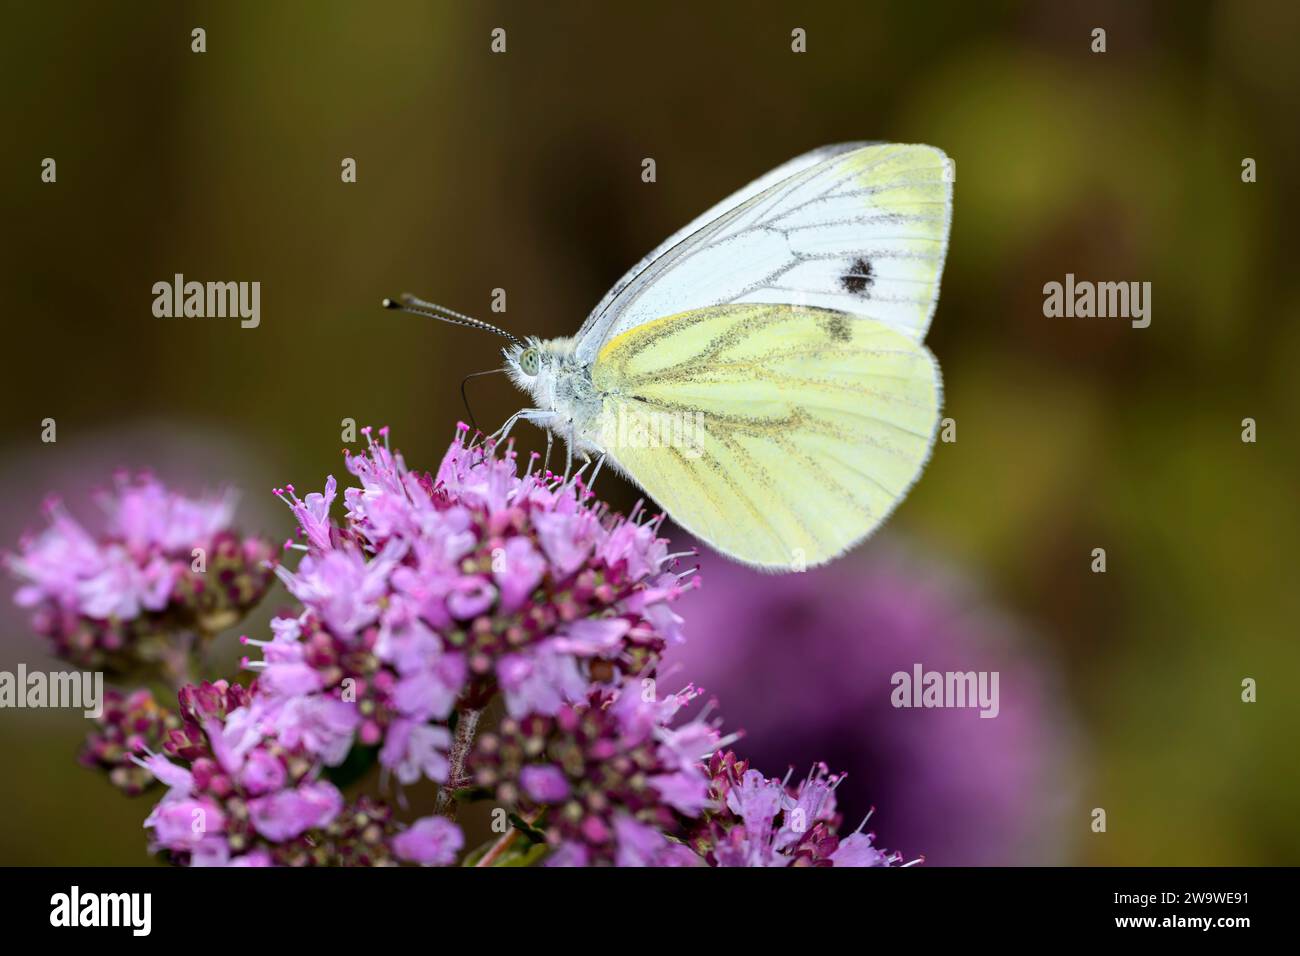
(466, 726)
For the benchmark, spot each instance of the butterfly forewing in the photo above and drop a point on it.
(861, 230)
(711, 215)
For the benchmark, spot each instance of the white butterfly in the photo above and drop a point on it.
(761, 372)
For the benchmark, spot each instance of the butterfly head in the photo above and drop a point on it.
(536, 365)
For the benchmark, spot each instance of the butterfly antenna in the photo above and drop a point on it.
(409, 303)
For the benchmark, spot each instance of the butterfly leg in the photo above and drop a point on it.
(501, 434)
(582, 469)
(591, 484)
(524, 414)
(568, 452)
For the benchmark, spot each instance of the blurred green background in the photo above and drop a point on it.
(522, 171)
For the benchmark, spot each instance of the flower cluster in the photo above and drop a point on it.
(163, 563)
(612, 781)
(763, 821)
(130, 724)
(442, 589)
(434, 594)
(236, 796)
(616, 780)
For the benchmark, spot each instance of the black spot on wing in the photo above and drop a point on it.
(859, 278)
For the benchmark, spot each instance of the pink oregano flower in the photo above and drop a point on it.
(438, 590)
(160, 563)
(432, 594)
(237, 796)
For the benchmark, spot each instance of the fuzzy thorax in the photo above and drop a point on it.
(564, 398)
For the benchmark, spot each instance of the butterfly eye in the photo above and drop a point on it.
(530, 362)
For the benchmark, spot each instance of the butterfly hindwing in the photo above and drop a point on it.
(779, 434)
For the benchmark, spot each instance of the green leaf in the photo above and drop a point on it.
(533, 834)
(529, 854)
(519, 853)
(526, 849)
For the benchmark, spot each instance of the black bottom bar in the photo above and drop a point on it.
(924, 903)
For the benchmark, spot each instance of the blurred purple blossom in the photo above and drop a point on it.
(130, 724)
(114, 598)
(429, 841)
(804, 663)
